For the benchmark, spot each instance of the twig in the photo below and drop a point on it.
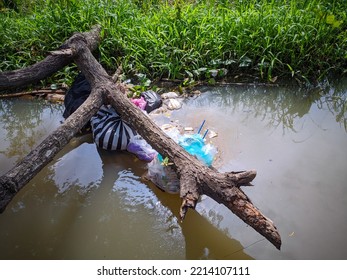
(33, 92)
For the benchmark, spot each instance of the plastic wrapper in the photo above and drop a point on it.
(164, 177)
(138, 146)
(139, 102)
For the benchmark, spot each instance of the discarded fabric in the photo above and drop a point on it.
(75, 96)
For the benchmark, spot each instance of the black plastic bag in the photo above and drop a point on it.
(76, 95)
(153, 100)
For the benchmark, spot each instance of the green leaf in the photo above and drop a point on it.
(190, 74)
(212, 81)
(330, 19)
(291, 70)
(337, 23)
(147, 83)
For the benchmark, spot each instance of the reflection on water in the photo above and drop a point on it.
(335, 100)
(279, 108)
(92, 204)
(21, 129)
(23, 124)
(297, 142)
(74, 169)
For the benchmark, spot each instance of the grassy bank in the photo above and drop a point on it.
(186, 39)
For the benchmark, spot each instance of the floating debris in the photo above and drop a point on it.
(173, 104)
(160, 110)
(212, 134)
(167, 126)
(55, 97)
(169, 95)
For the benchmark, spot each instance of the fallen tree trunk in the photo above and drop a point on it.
(195, 178)
(55, 61)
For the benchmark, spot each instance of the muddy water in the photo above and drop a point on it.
(90, 204)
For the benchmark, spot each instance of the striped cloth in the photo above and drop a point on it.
(110, 132)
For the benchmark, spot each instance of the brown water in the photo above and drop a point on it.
(89, 204)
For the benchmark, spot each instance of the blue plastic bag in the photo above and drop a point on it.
(195, 145)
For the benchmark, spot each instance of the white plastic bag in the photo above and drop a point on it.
(164, 177)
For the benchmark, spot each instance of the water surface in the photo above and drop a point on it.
(92, 204)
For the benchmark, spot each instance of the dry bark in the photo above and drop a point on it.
(195, 177)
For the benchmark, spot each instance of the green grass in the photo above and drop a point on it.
(186, 39)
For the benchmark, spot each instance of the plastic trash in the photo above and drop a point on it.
(138, 146)
(153, 100)
(110, 132)
(195, 145)
(76, 95)
(164, 177)
(173, 104)
(171, 131)
(139, 102)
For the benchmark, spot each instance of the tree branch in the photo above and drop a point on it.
(51, 64)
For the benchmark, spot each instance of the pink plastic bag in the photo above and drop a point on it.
(139, 102)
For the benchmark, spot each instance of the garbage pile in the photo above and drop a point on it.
(163, 175)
